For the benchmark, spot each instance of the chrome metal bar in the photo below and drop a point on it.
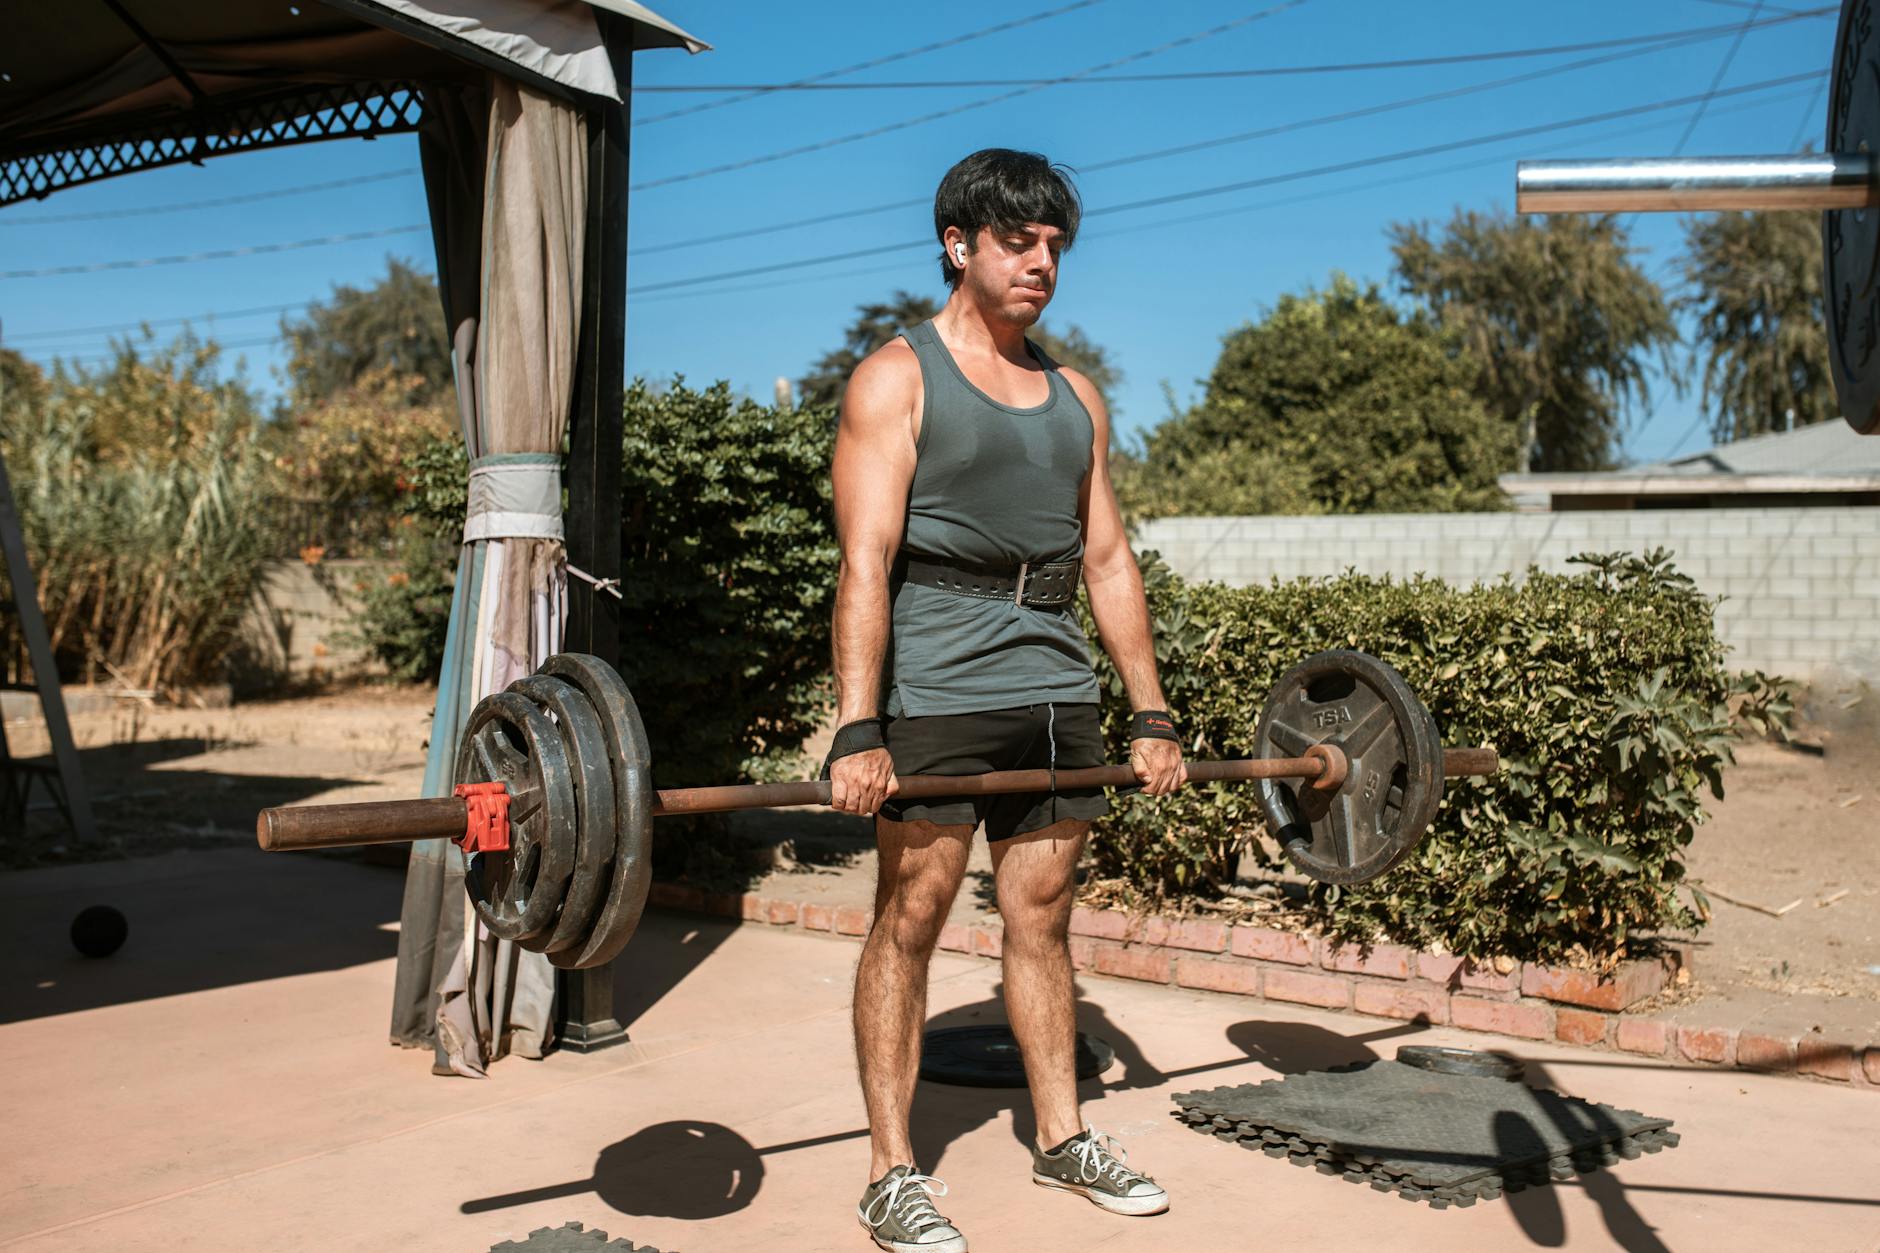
(1684, 184)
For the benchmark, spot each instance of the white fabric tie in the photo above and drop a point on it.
(610, 586)
(514, 496)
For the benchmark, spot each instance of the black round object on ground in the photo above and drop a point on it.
(99, 931)
(988, 1057)
(1448, 1061)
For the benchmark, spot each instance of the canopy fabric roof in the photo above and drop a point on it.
(91, 88)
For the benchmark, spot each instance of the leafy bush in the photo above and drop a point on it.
(402, 620)
(1604, 692)
(729, 558)
(144, 491)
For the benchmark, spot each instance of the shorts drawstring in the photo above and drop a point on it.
(1050, 732)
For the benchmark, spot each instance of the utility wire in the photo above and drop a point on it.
(104, 215)
(985, 102)
(1716, 81)
(229, 315)
(1304, 198)
(218, 254)
(1269, 180)
(1271, 71)
(1808, 116)
(764, 89)
(1265, 133)
(1443, 171)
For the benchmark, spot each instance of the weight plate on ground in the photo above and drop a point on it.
(586, 743)
(1850, 238)
(1395, 780)
(988, 1057)
(519, 892)
(1448, 1061)
(634, 798)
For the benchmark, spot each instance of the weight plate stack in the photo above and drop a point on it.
(518, 893)
(1850, 238)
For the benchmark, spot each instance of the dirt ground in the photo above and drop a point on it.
(1798, 834)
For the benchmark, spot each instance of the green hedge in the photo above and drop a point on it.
(1604, 691)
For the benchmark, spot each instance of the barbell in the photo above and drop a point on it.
(1843, 182)
(555, 799)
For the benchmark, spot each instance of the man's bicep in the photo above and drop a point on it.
(1105, 542)
(874, 462)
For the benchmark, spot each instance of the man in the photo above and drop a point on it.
(971, 478)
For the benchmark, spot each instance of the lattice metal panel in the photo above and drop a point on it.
(309, 115)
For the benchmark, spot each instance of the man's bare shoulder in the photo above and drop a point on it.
(885, 384)
(1086, 392)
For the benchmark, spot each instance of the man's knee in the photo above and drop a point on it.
(911, 916)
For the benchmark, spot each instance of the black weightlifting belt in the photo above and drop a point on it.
(1032, 584)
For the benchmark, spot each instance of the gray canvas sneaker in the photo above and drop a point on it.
(897, 1211)
(1095, 1167)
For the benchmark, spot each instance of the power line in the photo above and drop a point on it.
(1808, 115)
(1264, 133)
(51, 356)
(762, 89)
(1460, 58)
(218, 254)
(1304, 198)
(102, 215)
(212, 316)
(1716, 80)
(1268, 180)
(905, 124)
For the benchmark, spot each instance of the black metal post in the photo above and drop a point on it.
(585, 998)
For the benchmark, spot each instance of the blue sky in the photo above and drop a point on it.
(1157, 285)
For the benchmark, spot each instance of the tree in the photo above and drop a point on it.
(1557, 317)
(874, 326)
(1333, 402)
(394, 327)
(1753, 280)
(877, 324)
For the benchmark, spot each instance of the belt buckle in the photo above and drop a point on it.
(1018, 593)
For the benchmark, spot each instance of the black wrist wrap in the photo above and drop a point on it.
(856, 737)
(1153, 724)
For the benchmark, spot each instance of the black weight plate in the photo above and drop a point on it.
(519, 892)
(988, 1057)
(586, 744)
(634, 798)
(1448, 1061)
(1850, 238)
(1395, 781)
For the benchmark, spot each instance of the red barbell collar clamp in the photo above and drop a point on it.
(487, 807)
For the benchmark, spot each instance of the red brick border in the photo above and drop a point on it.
(1383, 980)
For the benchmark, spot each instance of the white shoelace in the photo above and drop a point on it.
(1098, 1153)
(909, 1198)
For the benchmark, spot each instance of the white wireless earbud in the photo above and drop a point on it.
(959, 253)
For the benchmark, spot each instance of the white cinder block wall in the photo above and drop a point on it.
(1801, 586)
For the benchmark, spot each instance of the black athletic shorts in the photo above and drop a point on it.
(1030, 737)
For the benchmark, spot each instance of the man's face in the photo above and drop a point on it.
(1012, 273)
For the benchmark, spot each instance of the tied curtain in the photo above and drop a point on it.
(505, 172)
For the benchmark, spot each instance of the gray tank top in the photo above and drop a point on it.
(994, 485)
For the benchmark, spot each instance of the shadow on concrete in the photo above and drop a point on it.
(198, 920)
(1537, 1210)
(663, 952)
(681, 1169)
(143, 806)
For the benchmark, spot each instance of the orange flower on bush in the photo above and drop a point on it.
(397, 578)
(312, 554)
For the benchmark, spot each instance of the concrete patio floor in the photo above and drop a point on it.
(224, 1083)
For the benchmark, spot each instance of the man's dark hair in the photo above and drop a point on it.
(1004, 189)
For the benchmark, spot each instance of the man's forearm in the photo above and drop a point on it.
(862, 624)
(1122, 615)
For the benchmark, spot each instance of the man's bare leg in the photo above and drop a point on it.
(1036, 877)
(921, 868)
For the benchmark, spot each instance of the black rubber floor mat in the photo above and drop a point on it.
(570, 1238)
(1442, 1138)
